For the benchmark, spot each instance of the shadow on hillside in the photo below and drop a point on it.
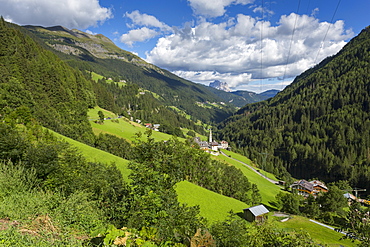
(274, 206)
(172, 83)
(241, 215)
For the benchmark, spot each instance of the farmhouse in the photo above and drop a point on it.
(305, 188)
(256, 213)
(319, 186)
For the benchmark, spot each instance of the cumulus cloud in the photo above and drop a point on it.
(234, 49)
(147, 27)
(137, 35)
(214, 8)
(90, 32)
(140, 19)
(68, 13)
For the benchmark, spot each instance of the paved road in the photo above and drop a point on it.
(332, 228)
(253, 169)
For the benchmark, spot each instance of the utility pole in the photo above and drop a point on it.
(356, 190)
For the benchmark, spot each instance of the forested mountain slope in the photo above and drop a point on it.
(319, 126)
(97, 53)
(36, 83)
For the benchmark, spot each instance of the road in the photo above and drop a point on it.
(253, 169)
(332, 228)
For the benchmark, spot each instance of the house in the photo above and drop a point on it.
(349, 196)
(224, 145)
(214, 146)
(156, 127)
(306, 188)
(303, 188)
(256, 213)
(319, 186)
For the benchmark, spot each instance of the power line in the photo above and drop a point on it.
(331, 21)
(262, 44)
(291, 39)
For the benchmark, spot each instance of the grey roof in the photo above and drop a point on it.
(257, 210)
(349, 196)
(305, 184)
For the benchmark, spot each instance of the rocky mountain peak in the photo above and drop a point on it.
(220, 86)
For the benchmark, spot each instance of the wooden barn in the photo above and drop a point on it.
(256, 213)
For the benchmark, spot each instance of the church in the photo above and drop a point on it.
(211, 145)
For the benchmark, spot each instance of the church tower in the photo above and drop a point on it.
(210, 135)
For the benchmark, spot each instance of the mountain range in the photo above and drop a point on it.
(247, 96)
(75, 44)
(306, 129)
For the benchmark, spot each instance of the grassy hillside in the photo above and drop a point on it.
(213, 206)
(97, 155)
(127, 130)
(267, 189)
(123, 128)
(321, 234)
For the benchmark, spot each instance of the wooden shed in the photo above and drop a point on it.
(256, 213)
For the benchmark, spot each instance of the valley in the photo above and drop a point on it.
(97, 148)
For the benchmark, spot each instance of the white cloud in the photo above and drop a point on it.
(139, 19)
(149, 25)
(90, 32)
(233, 48)
(68, 13)
(137, 35)
(214, 8)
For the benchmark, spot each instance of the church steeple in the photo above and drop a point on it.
(210, 135)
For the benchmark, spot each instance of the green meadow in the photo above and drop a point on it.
(249, 162)
(123, 127)
(267, 189)
(214, 207)
(321, 234)
(97, 155)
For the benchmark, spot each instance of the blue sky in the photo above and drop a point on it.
(252, 45)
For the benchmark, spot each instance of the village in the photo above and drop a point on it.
(259, 213)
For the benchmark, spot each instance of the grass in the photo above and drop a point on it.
(124, 128)
(319, 233)
(97, 77)
(97, 155)
(249, 162)
(213, 206)
(93, 113)
(267, 189)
